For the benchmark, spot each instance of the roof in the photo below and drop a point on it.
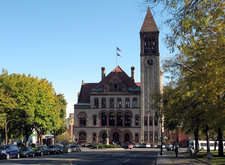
(85, 92)
(149, 24)
(121, 74)
(87, 88)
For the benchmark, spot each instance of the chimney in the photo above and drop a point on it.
(103, 73)
(132, 73)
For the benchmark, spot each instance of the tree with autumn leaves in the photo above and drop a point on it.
(27, 104)
(195, 97)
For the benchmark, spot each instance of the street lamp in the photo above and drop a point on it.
(6, 132)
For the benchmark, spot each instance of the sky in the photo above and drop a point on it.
(67, 41)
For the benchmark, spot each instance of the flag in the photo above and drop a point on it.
(118, 49)
(118, 54)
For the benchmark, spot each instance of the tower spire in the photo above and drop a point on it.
(149, 24)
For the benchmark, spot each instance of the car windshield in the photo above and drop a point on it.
(24, 149)
(3, 147)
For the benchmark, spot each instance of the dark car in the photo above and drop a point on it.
(76, 148)
(54, 149)
(27, 152)
(9, 151)
(40, 151)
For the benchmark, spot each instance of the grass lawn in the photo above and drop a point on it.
(202, 155)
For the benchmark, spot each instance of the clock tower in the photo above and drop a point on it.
(151, 80)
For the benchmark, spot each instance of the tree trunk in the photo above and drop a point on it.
(220, 139)
(207, 137)
(196, 139)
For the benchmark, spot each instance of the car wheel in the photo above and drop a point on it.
(18, 156)
(7, 157)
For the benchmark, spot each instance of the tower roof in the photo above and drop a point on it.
(149, 24)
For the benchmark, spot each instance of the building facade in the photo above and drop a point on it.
(118, 109)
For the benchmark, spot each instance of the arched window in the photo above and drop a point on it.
(82, 136)
(103, 119)
(104, 136)
(116, 138)
(137, 120)
(94, 119)
(111, 119)
(119, 119)
(82, 119)
(127, 119)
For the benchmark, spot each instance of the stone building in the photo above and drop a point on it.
(118, 109)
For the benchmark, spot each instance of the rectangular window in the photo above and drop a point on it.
(146, 136)
(96, 102)
(151, 135)
(136, 137)
(94, 137)
(82, 121)
(119, 102)
(150, 121)
(111, 102)
(156, 135)
(135, 102)
(156, 121)
(103, 102)
(127, 102)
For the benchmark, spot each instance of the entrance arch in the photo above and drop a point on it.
(116, 137)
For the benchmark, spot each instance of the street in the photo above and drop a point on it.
(93, 157)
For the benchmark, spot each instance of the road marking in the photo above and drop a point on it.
(126, 160)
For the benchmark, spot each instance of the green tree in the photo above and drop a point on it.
(198, 34)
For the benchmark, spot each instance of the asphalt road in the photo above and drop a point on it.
(90, 157)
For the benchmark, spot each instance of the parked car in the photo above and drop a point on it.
(61, 147)
(145, 145)
(27, 151)
(75, 148)
(137, 145)
(154, 146)
(169, 147)
(44, 150)
(128, 146)
(9, 151)
(54, 149)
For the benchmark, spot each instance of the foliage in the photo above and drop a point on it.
(198, 32)
(28, 104)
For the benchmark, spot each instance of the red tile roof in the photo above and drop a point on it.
(149, 24)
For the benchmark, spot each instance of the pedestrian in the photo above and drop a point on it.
(176, 150)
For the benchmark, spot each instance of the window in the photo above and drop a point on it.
(145, 121)
(127, 119)
(94, 119)
(119, 102)
(145, 136)
(103, 119)
(94, 137)
(151, 136)
(150, 120)
(119, 119)
(135, 103)
(82, 136)
(137, 120)
(103, 102)
(156, 135)
(111, 119)
(111, 102)
(156, 121)
(127, 102)
(82, 119)
(95, 102)
(136, 137)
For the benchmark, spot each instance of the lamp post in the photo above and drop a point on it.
(6, 131)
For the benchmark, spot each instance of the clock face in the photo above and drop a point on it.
(150, 62)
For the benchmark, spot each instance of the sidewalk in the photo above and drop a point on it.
(169, 157)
